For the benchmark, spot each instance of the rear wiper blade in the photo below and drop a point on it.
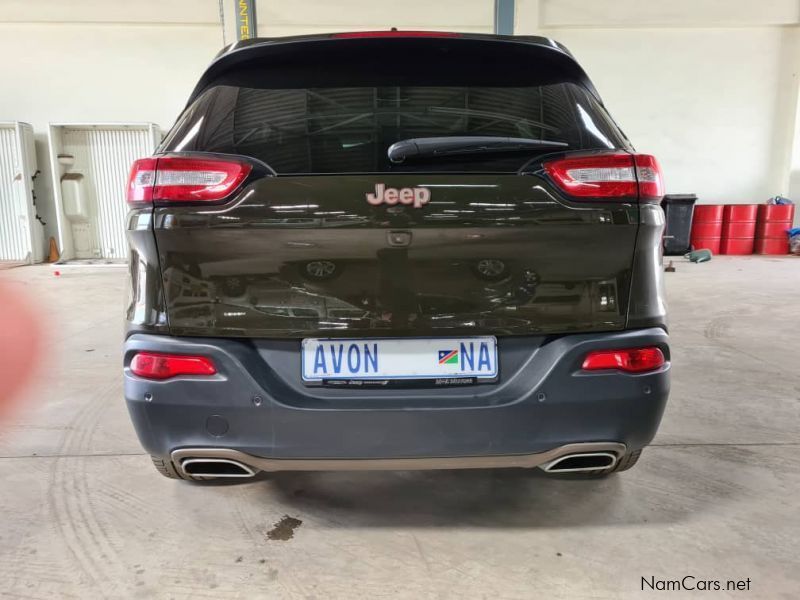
(464, 144)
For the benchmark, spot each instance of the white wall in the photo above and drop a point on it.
(284, 17)
(709, 86)
(97, 72)
(101, 72)
(701, 100)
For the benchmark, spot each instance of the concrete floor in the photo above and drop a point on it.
(84, 514)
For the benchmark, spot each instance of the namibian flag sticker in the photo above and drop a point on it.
(448, 357)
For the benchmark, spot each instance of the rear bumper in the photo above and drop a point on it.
(257, 405)
(546, 460)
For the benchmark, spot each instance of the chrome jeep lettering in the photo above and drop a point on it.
(416, 196)
(377, 198)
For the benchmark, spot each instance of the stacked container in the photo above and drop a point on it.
(738, 228)
(773, 222)
(707, 227)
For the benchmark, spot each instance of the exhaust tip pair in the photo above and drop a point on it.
(207, 463)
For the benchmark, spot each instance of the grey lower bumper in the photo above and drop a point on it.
(525, 461)
(258, 406)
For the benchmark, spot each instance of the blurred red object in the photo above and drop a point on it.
(20, 344)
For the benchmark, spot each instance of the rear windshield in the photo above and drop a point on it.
(335, 130)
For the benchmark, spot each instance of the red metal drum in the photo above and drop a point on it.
(771, 246)
(773, 221)
(738, 228)
(707, 227)
(776, 229)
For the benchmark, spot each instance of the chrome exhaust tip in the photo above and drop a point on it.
(215, 467)
(581, 463)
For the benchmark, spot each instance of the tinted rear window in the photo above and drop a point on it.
(349, 129)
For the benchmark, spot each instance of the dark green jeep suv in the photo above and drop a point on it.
(395, 250)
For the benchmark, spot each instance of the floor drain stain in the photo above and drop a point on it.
(284, 529)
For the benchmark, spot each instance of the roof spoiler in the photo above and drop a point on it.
(522, 59)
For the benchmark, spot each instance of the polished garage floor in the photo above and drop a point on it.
(84, 515)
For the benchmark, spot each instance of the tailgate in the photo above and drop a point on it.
(306, 256)
(330, 234)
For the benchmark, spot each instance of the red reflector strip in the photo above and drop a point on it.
(395, 34)
(163, 366)
(631, 360)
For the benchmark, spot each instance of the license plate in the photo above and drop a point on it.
(399, 358)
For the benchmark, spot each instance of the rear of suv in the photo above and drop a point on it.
(395, 250)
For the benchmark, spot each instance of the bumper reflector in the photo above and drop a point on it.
(630, 360)
(163, 366)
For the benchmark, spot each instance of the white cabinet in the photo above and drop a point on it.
(90, 165)
(21, 233)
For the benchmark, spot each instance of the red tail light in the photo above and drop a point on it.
(651, 181)
(618, 176)
(163, 366)
(141, 180)
(631, 360)
(184, 179)
(394, 34)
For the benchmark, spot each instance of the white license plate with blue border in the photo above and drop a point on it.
(399, 358)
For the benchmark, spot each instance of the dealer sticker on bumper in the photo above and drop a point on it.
(399, 358)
